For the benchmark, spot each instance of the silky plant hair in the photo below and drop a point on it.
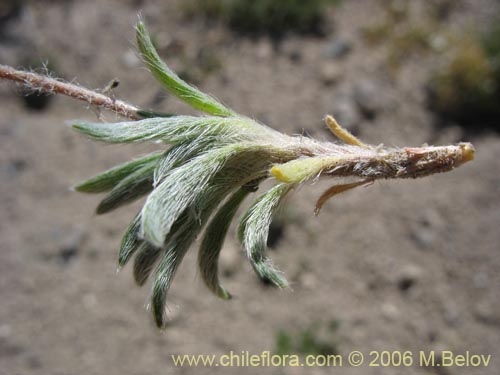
(210, 165)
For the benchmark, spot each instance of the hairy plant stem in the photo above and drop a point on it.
(49, 85)
(211, 157)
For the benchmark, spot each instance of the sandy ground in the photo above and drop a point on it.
(409, 265)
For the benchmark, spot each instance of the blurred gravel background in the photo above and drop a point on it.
(409, 265)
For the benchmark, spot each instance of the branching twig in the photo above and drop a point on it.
(213, 162)
(49, 85)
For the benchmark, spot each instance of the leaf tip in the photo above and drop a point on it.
(223, 293)
(280, 174)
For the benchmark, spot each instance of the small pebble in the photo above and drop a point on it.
(338, 48)
(329, 73)
(408, 276)
(390, 311)
(369, 98)
(346, 113)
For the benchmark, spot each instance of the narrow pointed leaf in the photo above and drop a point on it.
(170, 261)
(172, 82)
(109, 179)
(208, 256)
(334, 190)
(130, 241)
(129, 189)
(174, 130)
(254, 229)
(147, 256)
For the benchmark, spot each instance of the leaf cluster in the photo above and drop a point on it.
(213, 162)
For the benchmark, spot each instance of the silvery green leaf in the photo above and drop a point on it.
(213, 239)
(174, 130)
(144, 261)
(253, 231)
(184, 232)
(172, 82)
(130, 241)
(107, 180)
(178, 155)
(170, 260)
(178, 190)
(129, 189)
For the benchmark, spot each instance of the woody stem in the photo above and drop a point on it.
(49, 85)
